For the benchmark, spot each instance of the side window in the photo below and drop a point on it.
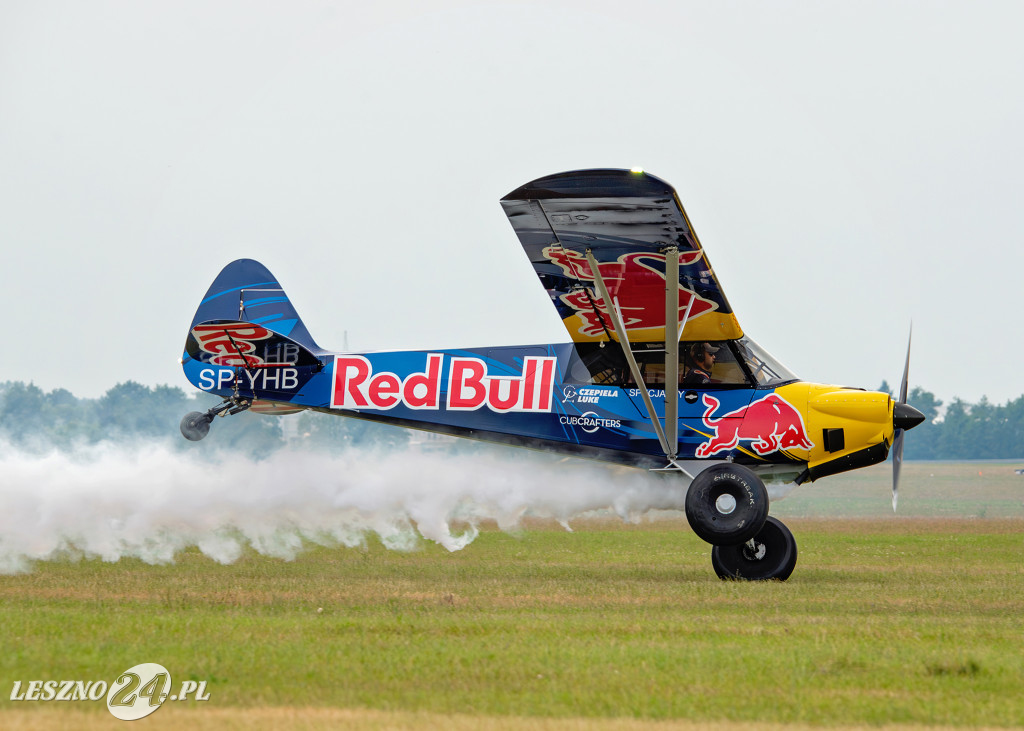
(712, 358)
(607, 366)
(591, 363)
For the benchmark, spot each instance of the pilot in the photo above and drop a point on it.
(702, 355)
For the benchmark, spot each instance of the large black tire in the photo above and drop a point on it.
(773, 556)
(719, 520)
(195, 425)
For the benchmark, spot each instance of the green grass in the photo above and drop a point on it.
(908, 621)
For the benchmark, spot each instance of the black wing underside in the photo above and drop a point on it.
(626, 220)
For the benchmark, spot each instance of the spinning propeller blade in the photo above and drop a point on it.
(904, 417)
(897, 462)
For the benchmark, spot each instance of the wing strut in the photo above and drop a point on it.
(620, 330)
(672, 351)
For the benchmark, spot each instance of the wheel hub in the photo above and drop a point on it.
(754, 550)
(725, 503)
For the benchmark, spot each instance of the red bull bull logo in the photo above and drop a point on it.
(634, 281)
(771, 424)
(467, 385)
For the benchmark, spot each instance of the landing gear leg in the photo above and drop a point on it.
(771, 554)
(196, 424)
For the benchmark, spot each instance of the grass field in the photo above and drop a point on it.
(915, 620)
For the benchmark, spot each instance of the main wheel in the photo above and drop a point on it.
(772, 555)
(195, 425)
(726, 504)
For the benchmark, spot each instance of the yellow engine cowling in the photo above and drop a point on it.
(848, 427)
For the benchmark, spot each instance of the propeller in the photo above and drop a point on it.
(904, 416)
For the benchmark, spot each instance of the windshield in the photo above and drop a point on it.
(762, 365)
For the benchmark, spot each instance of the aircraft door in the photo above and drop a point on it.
(714, 392)
(708, 419)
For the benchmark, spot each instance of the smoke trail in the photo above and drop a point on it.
(152, 501)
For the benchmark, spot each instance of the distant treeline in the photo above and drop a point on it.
(35, 420)
(965, 431)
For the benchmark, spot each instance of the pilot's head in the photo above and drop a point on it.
(703, 355)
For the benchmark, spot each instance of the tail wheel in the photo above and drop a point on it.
(771, 554)
(195, 425)
(726, 504)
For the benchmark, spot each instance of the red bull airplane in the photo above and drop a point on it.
(658, 375)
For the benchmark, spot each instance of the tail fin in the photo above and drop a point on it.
(246, 291)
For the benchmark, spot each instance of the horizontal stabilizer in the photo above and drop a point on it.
(249, 362)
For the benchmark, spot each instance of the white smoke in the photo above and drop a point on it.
(151, 502)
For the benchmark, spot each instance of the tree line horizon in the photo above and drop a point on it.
(33, 419)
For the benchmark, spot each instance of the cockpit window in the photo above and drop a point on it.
(740, 363)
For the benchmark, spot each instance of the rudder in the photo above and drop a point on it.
(246, 291)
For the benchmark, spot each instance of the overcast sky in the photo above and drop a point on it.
(850, 168)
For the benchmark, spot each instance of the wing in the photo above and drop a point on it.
(626, 219)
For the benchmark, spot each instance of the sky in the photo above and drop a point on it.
(849, 167)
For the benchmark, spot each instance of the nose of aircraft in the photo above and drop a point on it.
(905, 416)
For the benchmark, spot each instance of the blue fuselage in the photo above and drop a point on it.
(538, 396)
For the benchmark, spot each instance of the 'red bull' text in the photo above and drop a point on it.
(466, 386)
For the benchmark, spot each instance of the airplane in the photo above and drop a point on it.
(658, 375)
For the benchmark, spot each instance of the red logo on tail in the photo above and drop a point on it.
(771, 423)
